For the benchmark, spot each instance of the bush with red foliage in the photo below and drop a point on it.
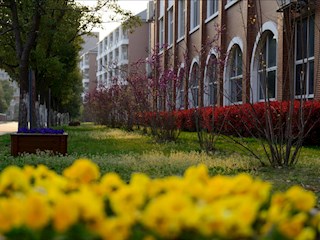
(247, 120)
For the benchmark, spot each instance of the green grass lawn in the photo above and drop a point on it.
(125, 153)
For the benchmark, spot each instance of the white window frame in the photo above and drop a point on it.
(230, 3)
(266, 69)
(238, 75)
(161, 33)
(212, 9)
(170, 3)
(170, 25)
(210, 85)
(180, 88)
(181, 19)
(236, 41)
(193, 89)
(194, 15)
(161, 8)
(308, 60)
(269, 26)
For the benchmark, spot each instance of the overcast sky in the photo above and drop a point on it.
(135, 6)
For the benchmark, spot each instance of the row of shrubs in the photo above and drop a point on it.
(37, 203)
(246, 120)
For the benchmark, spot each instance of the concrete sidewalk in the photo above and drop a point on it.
(8, 127)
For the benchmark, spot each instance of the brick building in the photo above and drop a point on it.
(88, 68)
(236, 51)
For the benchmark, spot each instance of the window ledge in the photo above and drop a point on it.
(229, 103)
(212, 17)
(180, 39)
(194, 29)
(230, 4)
(170, 46)
(308, 96)
(264, 100)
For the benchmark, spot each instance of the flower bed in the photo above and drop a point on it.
(41, 130)
(33, 140)
(37, 203)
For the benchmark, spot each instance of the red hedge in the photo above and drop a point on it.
(246, 119)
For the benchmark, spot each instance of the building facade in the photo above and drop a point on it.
(88, 68)
(237, 51)
(120, 49)
(89, 42)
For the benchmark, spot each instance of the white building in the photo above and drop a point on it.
(118, 50)
(112, 56)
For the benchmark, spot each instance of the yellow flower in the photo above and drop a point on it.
(37, 211)
(218, 186)
(82, 171)
(242, 183)
(13, 179)
(140, 180)
(168, 214)
(293, 226)
(65, 213)
(91, 206)
(307, 233)
(229, 217)
(303, 200)
(114, 229)
(10, 214)
(197, 173)
(110, 183)
(127, 201)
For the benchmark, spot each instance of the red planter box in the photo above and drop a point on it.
(33, 142)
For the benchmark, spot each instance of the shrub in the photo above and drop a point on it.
(74, 123)
(37, 203)
(248, 120)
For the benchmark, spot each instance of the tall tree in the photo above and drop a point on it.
(21, 23)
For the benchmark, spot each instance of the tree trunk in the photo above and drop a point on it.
(23, 101)
(23, 48)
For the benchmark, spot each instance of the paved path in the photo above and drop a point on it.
(8, 127)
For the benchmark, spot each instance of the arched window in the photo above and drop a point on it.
(180, 89)
(264, 63)
(267, 67)
(194, 85)
(210, 88)
(235, 75)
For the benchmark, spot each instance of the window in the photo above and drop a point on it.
(212, 7)
(230, 3)
(210, 88)
(195, 14)
(170, 25)
(161, 24)
(304, 60)
(267, 67)
(161, 33)
(181, 18)
(124, 52)
(180, 89)
(161, 8)
(194, 86)
(235, 75)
